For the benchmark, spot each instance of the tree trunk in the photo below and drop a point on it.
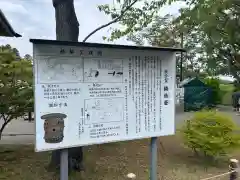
(29, 116)
(67, 29)
(67, 26)
(2, 128)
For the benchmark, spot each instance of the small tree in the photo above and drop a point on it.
(16, 93)
(210, 133)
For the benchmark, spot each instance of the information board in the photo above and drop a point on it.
(93, 95)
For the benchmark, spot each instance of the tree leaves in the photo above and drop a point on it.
(211, 30)
(16, 91)
(116, 17)
(135, 19)
(219, 22)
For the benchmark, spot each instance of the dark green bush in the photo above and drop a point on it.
(211, 133)
(214, 84)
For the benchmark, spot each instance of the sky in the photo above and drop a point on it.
(226, 78)
(36, 19)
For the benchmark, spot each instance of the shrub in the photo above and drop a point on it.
(236, 85)
(236, 89)
(214, 84)
(210, 133)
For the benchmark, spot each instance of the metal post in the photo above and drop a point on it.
(233, 167)
(181, 62)
(64, 164)
(153, 164)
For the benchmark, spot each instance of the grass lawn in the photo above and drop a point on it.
(110, 162)
(227, 87)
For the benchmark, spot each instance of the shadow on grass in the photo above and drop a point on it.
(108, 161)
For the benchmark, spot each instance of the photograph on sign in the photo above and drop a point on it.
(93, 95)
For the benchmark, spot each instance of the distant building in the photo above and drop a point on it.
(6, 29)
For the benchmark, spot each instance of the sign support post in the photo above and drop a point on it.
(153, 159)
(64, 164)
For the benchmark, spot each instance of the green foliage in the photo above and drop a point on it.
(236, 86)
(210, 29)
(219, 23)
(236, 89)
(214, 84)
(210, 133)
(135, 19)
(16, 88)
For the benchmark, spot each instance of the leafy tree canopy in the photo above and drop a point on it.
(210, 31)
(16, 93)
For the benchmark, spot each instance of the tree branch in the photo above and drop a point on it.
(2, 117)
(111, 22)
(5, 118)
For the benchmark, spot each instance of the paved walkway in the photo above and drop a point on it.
(20, 139)
(18, 132)
(11, 134)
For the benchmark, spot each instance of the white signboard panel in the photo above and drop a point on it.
(96, 95)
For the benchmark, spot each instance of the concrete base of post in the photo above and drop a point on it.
(233, 165)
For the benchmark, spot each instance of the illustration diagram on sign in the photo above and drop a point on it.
(60, 69)
(103, 70)
(53, 127)
(103, 110)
